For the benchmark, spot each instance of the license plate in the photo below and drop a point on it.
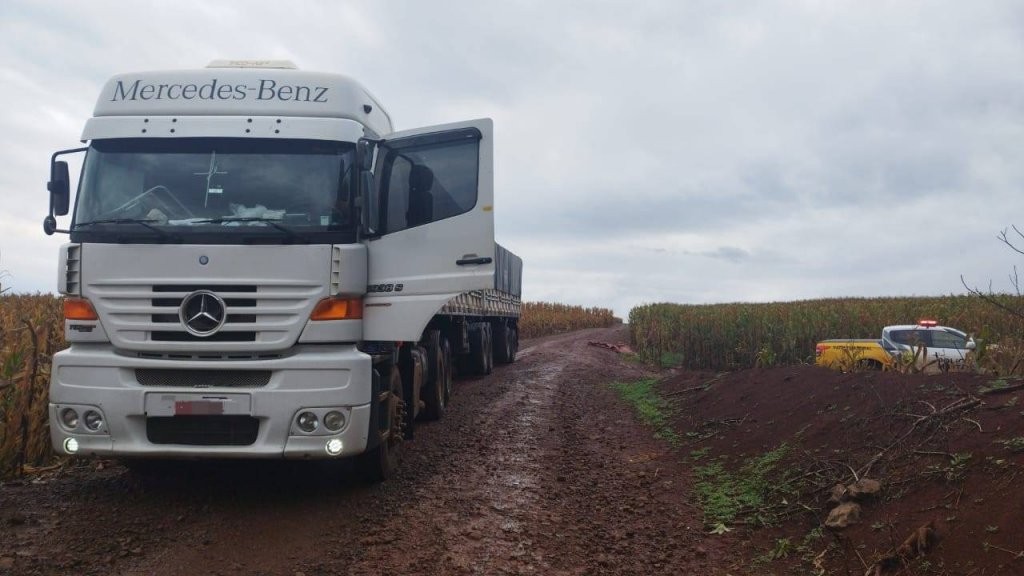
(158, 404)
(198, 407)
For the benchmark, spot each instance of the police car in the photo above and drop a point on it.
(941, 342)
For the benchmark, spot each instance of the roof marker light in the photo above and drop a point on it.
(928, 323)
(272, 64)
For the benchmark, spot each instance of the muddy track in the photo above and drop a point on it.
(536, 469)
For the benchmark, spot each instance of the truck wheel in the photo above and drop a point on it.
(439, 389)
(488, 349)
(513, 339)
(380, 462)
(502, 343)
(449, 364)
(480, 345)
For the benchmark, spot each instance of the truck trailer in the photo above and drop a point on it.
(259, 266)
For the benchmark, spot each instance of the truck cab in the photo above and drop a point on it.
(259, 265)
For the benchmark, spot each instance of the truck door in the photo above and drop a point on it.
(435, 235)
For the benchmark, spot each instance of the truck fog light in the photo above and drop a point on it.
(69, 418)
(71, 446)
(93, 420)
(334, 420)
(334, 446)
(307, 422)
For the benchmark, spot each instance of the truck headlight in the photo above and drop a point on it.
(307, 422)
(93, 420)
(334, 420)
(69, 418)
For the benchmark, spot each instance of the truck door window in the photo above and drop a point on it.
(424, 184)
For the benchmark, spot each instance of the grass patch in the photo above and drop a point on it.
(753, 493)
(671, 359)
(650, 408)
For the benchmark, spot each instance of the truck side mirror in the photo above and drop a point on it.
(369, 214)
(368, 200)
(59, 187)
(364, 154)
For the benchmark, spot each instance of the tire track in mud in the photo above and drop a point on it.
(490, 487)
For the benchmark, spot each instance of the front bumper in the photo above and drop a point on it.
(315, 378)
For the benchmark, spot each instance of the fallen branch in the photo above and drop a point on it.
(988, 391)
(687, 390)
(1016, 555)
(975, 422)
(961, 404)
(620, 348)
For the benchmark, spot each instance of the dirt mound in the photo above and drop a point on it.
(770, 448)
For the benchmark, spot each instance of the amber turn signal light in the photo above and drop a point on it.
(79, 309)
(338, 309)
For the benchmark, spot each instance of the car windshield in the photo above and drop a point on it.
(221, 187)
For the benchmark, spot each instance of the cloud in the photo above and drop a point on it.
(688, 151)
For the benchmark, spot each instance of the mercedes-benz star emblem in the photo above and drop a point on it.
(202, 313)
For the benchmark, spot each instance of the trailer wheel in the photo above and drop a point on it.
(513, 339)
(481, 348)
(504, 353)
(440, 387)
(488, 349)
(380, 462)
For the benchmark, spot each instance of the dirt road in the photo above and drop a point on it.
(536, 469)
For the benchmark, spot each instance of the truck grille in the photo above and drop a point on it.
(177, 294)
(264, 316)
(202, 378)
(203, 430)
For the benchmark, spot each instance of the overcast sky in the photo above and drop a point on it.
(681, 151)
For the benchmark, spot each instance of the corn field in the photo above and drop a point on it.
(543, 318)
(731, 336)
(31, 330)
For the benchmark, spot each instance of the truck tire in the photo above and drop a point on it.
(503, 350)
(449, 377)
(380, 462)
(440, 385)
(480, 345)
(488, 349)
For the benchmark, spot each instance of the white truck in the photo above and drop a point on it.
(260, 267)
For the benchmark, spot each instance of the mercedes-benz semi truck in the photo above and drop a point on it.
(259, 266)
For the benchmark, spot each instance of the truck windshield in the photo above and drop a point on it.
(216, 190)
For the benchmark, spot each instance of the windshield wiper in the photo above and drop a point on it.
(147, 223)
(289, 233)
